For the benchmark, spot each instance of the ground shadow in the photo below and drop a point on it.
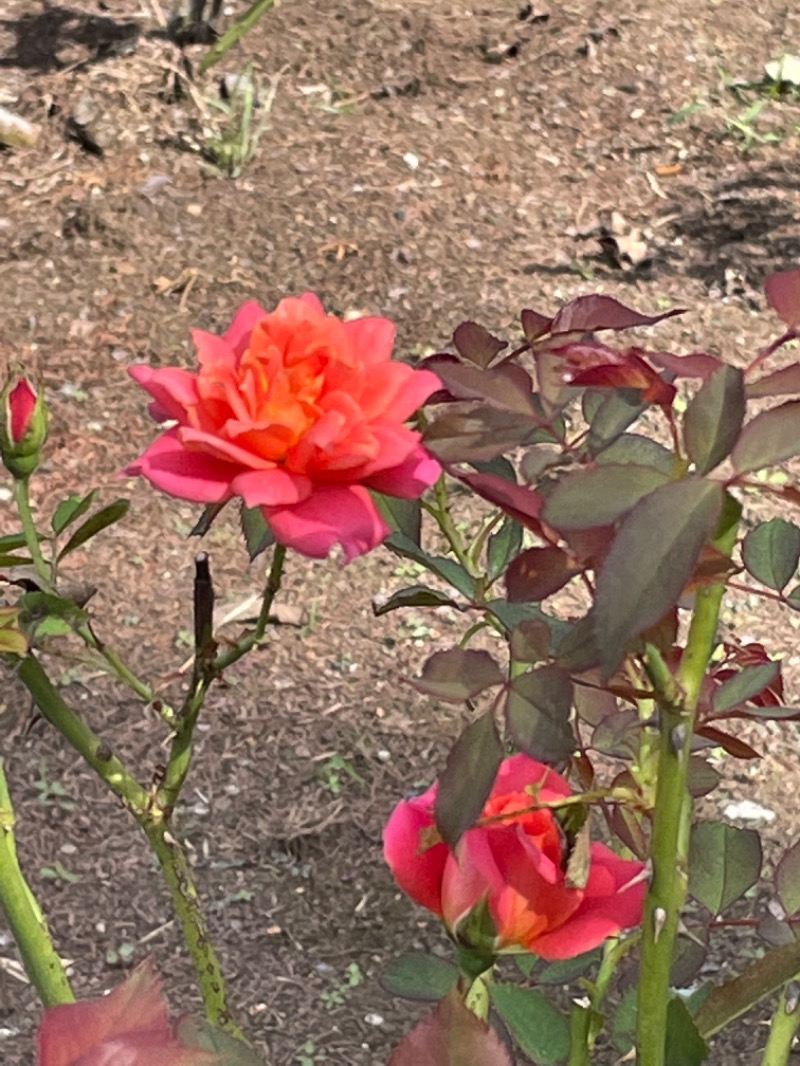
(39, 36)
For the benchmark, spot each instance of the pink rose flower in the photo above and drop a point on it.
(296, 412)
(514, 867)
(128, 1027)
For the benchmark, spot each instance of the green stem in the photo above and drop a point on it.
(444, 520)
(677, 698)
(180, 756)
(24, 916)
(783, 1028)
(580, 1019)
(118, 667)
(83, 739)
(178, 879)
(23, 502)
(152, 819)
(237, 30)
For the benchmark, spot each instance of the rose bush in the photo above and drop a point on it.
(128, 1027)
(514, 862)
(298, 413)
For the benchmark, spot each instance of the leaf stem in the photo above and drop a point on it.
(444, 520)
(24, 916)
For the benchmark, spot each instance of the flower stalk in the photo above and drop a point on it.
(677, 699)
(24, 916)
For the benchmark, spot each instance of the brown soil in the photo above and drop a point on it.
(426, 161)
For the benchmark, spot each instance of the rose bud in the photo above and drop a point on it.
(23, 428)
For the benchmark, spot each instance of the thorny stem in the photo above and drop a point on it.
(677, 698)
(783, 1027)
(24, 916)
(151, 816)
(444, 520)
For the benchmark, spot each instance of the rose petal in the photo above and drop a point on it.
(408, 479)
(70, 1030)
(607, 907)
(184, 474)
(237, 335)
(173, 389)
(333, 514)
(417, 870)
(372, 338)
(271, 488)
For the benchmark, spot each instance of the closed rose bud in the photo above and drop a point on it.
(23, 428)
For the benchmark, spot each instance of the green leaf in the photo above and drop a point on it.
(70, 510)
(404, 516)
(46, 615)
(787, 879)
(537, 713)
(458, 674)
(255, 529)
(13, 542)
(467, 779)
(413, 596)
(643, 451)
(539, 1027)
(203, 1035)
(714, 418)
(652, 558)
(748, 682)
(419, 977)
(15, 560)
(503, 546)
(623, 1029)
(511, 614)
(448, 569)
(530, 641)
(565, 971)
(99, 521)
(611, 417)
(600, 495)
(771, 552)
(769, 438)
(724, 862)
(207, 518)
(451, 1035)
(684, 1044)
(760, 979)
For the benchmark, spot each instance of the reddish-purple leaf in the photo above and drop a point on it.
(537, 573)
(593, 703)
(587, 314)
(769, 438)
(534, 325)
(600, 495)
(457, 674)
(519, 501)
(618, 734)
(703, 778)
(714, 418)
(451, 1035)
(635, 373)
(733, 745)
(779, 383)
(787, 879)
(538, 712)
(476, 436)
(508, 387)
(652, 558)
(694, 365)
(476, 344)
(467, 779)
(783, 295)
